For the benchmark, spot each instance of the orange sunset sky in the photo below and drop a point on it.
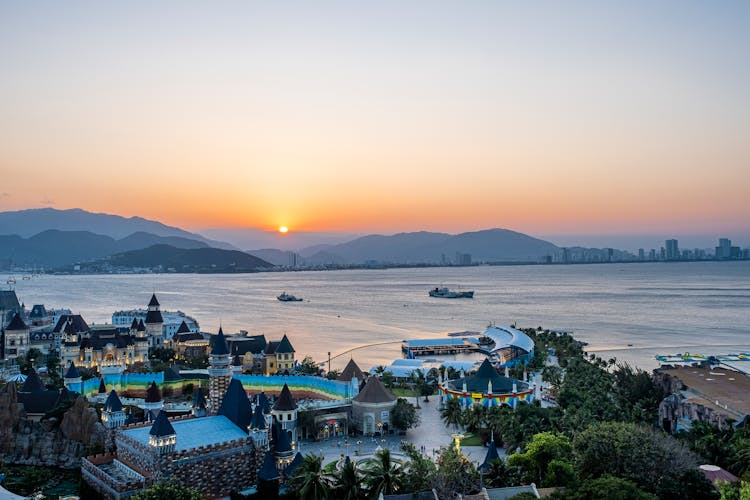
(561, 117)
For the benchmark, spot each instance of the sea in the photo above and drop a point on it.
(630, 311)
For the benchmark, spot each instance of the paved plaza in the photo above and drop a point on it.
(431, 434)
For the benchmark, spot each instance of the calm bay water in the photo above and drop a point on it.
(659, 308)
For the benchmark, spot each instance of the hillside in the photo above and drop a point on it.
(53, 248)
(491, 245)
(166, 257)
(26, 223)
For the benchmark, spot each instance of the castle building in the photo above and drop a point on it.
(279, 356)
(16, 338)
(199, 408)
(154, 322)
(219, 372)
(99, 346)
(189, 344)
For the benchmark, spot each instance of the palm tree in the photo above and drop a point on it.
(415, 376)
(383, 474)
(451, 413)
(310, 480)
(348, 483)
(475, 418)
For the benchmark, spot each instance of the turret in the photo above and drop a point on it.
(162, 436)
(259, 428)
(154, 322)
(113, 415)
(285, 411)
(73, 379)
(219, 372)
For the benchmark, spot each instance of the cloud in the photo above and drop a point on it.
(4, 194)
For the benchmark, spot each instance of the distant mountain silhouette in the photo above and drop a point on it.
(273, 255)
(26, 223)
(188, 260)
(53, 248)
(491, 245)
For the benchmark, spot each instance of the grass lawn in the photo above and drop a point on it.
(471, 440)
(403, 393)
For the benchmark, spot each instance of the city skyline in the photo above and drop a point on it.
(576, 119)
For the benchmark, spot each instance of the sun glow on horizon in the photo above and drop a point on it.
(283, 229)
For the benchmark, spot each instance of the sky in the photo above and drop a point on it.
(558, 118)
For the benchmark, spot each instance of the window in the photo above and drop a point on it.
(289, 417)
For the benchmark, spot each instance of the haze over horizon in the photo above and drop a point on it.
(614, 121)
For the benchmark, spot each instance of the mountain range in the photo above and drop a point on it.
(490, 245)
(53, 238)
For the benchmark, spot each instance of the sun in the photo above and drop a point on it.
(283, 229)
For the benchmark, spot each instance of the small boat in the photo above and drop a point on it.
(10, 281)
(445, 293)
(285, 297)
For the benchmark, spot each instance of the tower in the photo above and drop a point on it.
(154, 322)
(219, 372)
(141, 342)
(112, 414)
(153, 404)
(73, 379)
(285, 412)
(162, 436)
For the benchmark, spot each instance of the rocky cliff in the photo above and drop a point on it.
(48, 442)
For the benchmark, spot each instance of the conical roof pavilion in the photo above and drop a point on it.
(113, 402)
(285, 402)
(374, 392)
(32, 383)
(351, 371)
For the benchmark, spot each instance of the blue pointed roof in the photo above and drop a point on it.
(199, 400)
(102, 386)
(258, 421)
(281, 439)
(161, 426)
(134, 324)
(220, 345)
(153, 301)
(32, 383)
(294, 464)
(264, 402)
(153, 394)
(268, 471)
(285, 401)
(72, 372)
(285, 345)
(113, 402)
(17, 323)
(141, 326)
(491, 456)
(235, 405)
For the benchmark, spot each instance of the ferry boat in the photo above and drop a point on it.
(285, 297)
(445, 293)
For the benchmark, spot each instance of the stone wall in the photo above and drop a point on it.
(45, 443)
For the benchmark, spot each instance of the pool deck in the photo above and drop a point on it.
(717, 385)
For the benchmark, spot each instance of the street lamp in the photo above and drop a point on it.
(346, 443)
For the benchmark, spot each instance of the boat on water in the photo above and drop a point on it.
(445, 293)
(285, 297)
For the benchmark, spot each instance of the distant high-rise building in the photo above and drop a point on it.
(724, 250)
(672, 250)
(652, 254)
(641, 254)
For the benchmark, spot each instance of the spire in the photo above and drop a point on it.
(268, 472)
(281, 439)
(220, 345)
(113, 402)
(490, 457)
(235, 405)
(199, 400)
(258, 421)
(141, 326)
(183, 328)
(134, 324)
(285, 402)
(72, 371)
(161, 426)
(102, 386)
(32, 383)
(153, 302)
